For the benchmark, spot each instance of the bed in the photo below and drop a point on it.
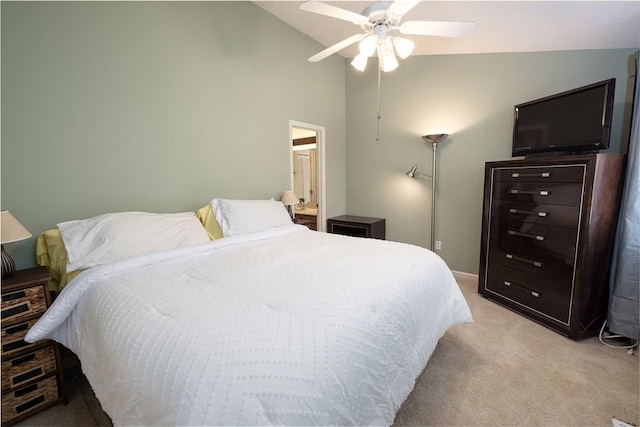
(277, 325)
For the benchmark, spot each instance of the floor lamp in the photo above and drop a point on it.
(434, 140)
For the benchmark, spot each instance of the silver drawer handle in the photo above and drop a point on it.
(526, 175)
(521, 212)
(534, 293)
(529, 236)
(540, 193)
(525, 260)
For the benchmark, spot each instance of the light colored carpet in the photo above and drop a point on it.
(503, 369)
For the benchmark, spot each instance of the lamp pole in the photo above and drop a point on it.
(434, 139)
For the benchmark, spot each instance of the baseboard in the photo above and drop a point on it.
(463, 275)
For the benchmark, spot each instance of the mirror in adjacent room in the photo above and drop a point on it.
(304, 153)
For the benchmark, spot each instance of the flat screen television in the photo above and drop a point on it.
(575, 121)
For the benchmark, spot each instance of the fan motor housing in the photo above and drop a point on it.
(377, 14)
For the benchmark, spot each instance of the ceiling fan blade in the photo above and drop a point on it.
(333, 11)
(399, 7)
(336, 47)
(437, 28)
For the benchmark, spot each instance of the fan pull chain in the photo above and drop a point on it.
(379, 116)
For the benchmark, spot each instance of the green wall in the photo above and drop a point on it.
(155, 106)
(162, 106)
(470, 97)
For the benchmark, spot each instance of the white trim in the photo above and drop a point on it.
(320, 167)
(305, 147)
(463, 275)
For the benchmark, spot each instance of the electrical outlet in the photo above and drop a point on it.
(438, 245)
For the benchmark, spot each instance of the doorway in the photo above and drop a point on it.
(307, 171)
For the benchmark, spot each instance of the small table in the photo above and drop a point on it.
(306, 222)
(32, 374)
(359, 226)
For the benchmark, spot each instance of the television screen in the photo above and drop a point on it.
(575, 121)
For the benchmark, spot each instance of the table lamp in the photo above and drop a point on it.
(289, 199)
(10, 231)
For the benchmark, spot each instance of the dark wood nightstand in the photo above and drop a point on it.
(359, 226)
(32, 377)
(307, 220)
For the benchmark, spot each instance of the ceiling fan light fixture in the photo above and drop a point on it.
(386, 56)
(377, 20)
(359, 62)
(367, 46)
(389, 62)
(404, 47)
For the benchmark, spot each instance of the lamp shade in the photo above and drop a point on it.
(386, 56)
(359, 62)
(11, 230)
(435, 138)
(403, 46)
(289, 198)
(367, 46)
(389, 62)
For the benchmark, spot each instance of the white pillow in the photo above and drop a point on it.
(116, 236)
(249, 216)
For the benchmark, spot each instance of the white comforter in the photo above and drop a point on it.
(282, 327)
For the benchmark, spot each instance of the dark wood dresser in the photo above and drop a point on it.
(548, 229)
(32, 377)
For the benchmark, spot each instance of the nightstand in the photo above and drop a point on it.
(32, 377)
(359, 226)
(307, 220)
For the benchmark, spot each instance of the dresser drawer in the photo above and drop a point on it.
(13, 337)
(539, 192)
(24, 303)
(541, 174)
(551, 299)
(28, 367)
(521, 236)
(543, 265)
(29, 398)
(553, 215)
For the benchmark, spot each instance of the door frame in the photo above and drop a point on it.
(320, 167)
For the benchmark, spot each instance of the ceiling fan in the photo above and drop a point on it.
(377, 22)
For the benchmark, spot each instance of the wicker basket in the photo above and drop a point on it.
(29, 398)
(24, 303)
(13, 338)
(28, 367)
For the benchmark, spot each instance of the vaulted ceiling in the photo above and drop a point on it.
(501, 26)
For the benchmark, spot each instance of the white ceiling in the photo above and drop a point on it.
(501, 26)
